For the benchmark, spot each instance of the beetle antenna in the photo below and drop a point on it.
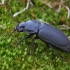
(6, 35)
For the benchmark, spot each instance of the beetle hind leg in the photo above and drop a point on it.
(54, 52)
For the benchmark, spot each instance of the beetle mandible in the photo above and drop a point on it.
(47, 33)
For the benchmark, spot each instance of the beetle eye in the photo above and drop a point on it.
(22, 26)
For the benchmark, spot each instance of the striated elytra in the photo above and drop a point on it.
(46, 33)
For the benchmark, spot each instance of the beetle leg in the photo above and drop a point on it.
(53, 51)
(26, 37)
(32, 46)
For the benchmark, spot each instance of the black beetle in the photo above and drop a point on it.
(46, 33)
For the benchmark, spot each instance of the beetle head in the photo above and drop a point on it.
(30, 26)
(20, 27)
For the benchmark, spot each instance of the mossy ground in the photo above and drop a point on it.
(14, 57)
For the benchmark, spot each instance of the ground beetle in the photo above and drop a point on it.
(47, 33)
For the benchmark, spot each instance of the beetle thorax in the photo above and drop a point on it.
(31, 27)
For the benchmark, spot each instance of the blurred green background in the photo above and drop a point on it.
(18, 57)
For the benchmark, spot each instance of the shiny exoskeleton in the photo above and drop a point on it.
(47, 33)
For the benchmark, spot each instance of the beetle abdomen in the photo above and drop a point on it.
(54, 36)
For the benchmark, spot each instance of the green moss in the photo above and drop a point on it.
(18, 57)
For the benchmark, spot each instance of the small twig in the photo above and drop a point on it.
(31, 3)
(60, 5)
(2, 2)
(64, 27)
(68, 11)
(48, 4)
(58, 10)
(28, 1)
(69, 37)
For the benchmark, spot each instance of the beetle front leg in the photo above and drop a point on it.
(26, 37)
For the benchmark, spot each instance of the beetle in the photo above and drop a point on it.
(47, 33)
